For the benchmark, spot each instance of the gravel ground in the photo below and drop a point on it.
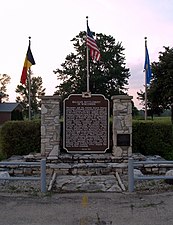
(19, 187)
(33, 187)
(149, 186)
(30, 187)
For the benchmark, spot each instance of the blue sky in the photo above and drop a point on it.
(52, 24)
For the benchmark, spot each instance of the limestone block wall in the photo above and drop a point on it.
(50, 125)
(122, 124)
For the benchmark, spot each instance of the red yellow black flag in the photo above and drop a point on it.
(29, 61)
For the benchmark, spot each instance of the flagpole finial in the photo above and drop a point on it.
(145, 38)
(29, 39)
(87, 20)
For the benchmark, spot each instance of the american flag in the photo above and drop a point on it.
(91, 43)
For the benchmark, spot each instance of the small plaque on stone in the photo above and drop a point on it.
(123, 139)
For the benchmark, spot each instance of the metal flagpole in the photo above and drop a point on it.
(29, 92)
(29, 87)
(145, 81)
(87, 53)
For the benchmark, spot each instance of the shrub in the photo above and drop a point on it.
(20, 137)
(148, 138)
(153, 138)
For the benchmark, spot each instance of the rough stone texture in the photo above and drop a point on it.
(138, 173)
(50, 125)
(122, 124)
(169, 173)
(4, 174)
(87, 173)
(86, 184)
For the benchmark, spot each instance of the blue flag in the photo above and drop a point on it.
(147, 67)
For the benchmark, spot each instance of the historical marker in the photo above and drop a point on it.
(86, 123)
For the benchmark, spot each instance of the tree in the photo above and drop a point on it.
(153, 103)
(135, 111)
(160, 91)
(4, 80)
(163, 79)
(108, 76)
(36, 90)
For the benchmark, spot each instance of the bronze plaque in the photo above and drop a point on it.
(86, 124)
(123, 139)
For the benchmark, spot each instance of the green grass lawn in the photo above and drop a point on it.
(156, 119)
(162, 119)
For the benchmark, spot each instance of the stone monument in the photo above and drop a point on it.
(86, 125)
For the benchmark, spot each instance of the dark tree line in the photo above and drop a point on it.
(160, 90)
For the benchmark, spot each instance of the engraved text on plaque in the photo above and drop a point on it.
(86, 124)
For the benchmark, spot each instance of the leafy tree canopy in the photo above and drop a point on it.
(36, 90)
(4, 80)
(163, 77)
(109, 76)
(160, 91)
